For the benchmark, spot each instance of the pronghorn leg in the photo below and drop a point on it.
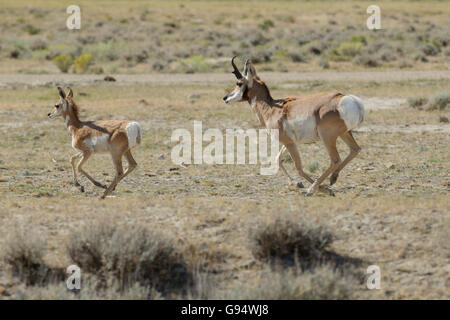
(85, 157)
(347, 137)
(292, 148)
(330, 144)
(72, 162)
(132, 164)
(117, 159)
(291, 180)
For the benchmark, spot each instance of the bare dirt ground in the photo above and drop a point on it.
(31, 80)
(391, 204)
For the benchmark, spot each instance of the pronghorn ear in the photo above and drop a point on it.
(249, 69)
(61, 93)
(249, 72)
(69, 92)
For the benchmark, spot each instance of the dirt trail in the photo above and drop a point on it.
(49, 80)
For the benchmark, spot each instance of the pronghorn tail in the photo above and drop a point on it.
(134, 134)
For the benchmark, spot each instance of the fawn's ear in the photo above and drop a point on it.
(61, 93)
(69, 92)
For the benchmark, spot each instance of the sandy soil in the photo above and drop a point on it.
(49, 80)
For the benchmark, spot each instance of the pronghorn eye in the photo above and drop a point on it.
(56, 106)
(239, 84)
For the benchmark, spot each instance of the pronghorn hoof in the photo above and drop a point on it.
(327, 190)
(101, 185)
(300, 185)
(81, 188)
(333, 180)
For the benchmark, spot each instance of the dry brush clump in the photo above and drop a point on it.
(89, 291)
(438, 101)
(289, 238)
(323, 283)
(129, 254)
(23, 251)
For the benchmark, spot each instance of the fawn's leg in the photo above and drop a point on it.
(75, 179)
(85, 157)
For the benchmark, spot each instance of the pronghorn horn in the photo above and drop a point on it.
(236, 71)
(61, 93)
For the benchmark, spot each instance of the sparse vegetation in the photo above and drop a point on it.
(312, 167)
(391, 202)
(417, 102)
(82, 63)
(439, 101)
(24, 251)
(194, 64)
(322, 283)
(129, 41)
(289, 237)
(129, 253)
(63, 62)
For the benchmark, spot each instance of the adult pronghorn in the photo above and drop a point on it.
(89, 137)
(325, 116)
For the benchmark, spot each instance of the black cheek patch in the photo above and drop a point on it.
(245, 94)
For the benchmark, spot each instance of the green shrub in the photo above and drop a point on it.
(349, 49)
(430, 49)
(366, 60)
(82, 63)
(30, 29)
(312, 166)
(266, 24)
(439, 101)
(63, 62)
(417, 102)
(194, 64)
(106, 51)
(296, 56)
(359, 39)
(323, 63)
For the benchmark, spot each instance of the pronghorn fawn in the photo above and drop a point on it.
(325, 117)
(88, 137)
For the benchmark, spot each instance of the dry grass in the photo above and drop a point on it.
(196, 36)
(129, 253)
(23, 251)
(321, 284)
(390, 209)
(289, 237)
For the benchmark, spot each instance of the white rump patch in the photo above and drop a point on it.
(98, 143)
(134, 134)
(351, 110)
(301, 129)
